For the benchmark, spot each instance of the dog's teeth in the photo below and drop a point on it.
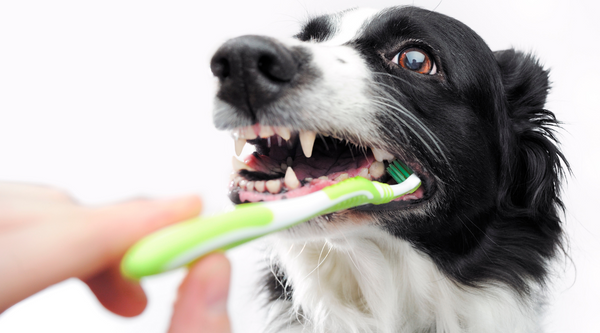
(376, 170)
(274, 186)
(259, 186)
(341, 177)
(307, 140)
(364, 172)
(236, 133)
(323, 178)
(250, 186)
(291, 181)
(381, 155)
(242, 184)
(283, 132)
(266, 131)
(239, 146)
(239, 165)
(247, 133)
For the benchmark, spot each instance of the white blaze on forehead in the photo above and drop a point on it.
(349, 25)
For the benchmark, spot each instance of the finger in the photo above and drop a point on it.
(117, 294)
(29, 192)
(113, 230)
(201, 305)
(82, 242)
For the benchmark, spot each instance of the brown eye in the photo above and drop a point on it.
(416, 60)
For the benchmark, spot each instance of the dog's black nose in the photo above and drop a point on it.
(253, 71)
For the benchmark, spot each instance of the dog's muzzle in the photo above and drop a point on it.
(253, 71)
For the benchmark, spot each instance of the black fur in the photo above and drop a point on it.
(477, 134)
(497, 212)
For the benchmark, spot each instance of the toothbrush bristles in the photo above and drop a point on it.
(399, 171)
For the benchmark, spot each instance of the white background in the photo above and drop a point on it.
(111, 100)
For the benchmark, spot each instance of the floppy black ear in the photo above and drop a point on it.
(532, 181)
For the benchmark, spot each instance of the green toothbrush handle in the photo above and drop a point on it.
(180, 244)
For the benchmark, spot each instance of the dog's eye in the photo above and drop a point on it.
(416, 60)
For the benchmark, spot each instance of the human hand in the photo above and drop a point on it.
(46, 238)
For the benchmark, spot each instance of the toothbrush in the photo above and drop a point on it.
(181, 244)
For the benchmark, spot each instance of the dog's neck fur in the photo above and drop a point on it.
(366, 280)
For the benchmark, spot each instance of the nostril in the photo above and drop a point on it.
(220, 68)
(275, 69)
(265, 66)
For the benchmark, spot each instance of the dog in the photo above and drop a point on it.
(471, 250)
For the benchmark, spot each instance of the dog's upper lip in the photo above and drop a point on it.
(306, 137)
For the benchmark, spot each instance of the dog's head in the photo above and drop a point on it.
(355, 90)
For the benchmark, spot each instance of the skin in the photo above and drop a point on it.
(45, 238)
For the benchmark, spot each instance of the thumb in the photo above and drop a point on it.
(201, 305)
(115, 229)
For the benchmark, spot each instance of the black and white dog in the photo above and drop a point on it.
(470, 251)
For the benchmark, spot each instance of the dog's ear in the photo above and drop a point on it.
(531, 177)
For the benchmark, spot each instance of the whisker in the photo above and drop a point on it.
(320, 261)
(324, 142)
(387, 100)
(301, 250)
(351, 250)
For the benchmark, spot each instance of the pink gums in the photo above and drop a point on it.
(314, 186)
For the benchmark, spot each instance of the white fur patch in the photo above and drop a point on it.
(339, 102)
(350, 25)
(361, 279)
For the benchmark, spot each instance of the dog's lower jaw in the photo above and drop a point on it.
(365, 280)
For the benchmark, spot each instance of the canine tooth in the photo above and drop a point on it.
(239, 165)
(259, 186)
(364, 172)
(283, 132)
(341, 177)
(266, 131)
(291, 181)
(250, 186)
(381, 155)
(239, 145)
(274, 186)
(248, 133)
(236, 133)
(307, 140)
(377, 169)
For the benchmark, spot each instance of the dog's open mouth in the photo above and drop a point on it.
(289, 164)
